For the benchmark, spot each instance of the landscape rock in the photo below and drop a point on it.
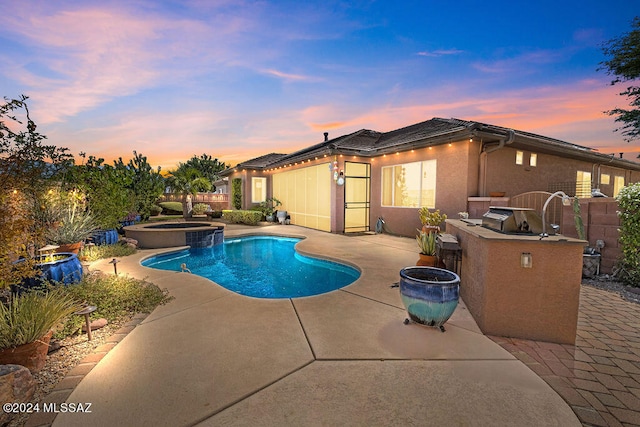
(16, 386)
(130, 242)
(96, 324)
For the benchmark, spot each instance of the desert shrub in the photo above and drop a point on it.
(94, 253)
(200, 208)
(114, 296)
(629, 203)
(243, 217)
(171, 208)
(28, 317)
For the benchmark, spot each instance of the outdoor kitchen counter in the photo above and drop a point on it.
(518, 285)
(474, 226)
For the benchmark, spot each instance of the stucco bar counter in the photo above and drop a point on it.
(518, 285)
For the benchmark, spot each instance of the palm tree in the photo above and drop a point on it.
(187, 181)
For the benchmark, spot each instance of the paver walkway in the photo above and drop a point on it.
(599, 377)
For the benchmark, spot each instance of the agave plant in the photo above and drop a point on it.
(28, 317)
(427, 242)
(71, 222)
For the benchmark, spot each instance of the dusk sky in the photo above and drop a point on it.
(239, 79)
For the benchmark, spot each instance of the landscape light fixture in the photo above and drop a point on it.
(115, 267)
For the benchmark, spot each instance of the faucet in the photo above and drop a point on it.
(566, 200)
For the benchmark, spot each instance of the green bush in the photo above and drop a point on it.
(171, 208)
(155, 210)
(94, 253)
(30, 316)
(629, 203)
(200, 208)
(114, 297)
(236, 193)
(243, 217)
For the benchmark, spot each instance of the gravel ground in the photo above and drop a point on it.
(609, 283)
(72, 350)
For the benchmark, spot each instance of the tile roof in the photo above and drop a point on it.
(365, 142)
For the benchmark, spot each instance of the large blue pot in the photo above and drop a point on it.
(105, 237)
(66, 269)
(429, 294)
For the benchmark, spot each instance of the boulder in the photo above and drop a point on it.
(16, 386)
(96, 324)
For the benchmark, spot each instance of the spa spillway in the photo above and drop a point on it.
(171, 234)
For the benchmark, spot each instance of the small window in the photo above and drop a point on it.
(605, 179)
(583, 184)
(533, 160)
(519, 157)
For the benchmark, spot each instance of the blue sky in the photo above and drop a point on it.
(238, 79)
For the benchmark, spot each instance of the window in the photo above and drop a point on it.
(519, 157)
(258, 190)
(605, 179)
(583, 184)
(533, 160)
(410, 185)
(618, 183)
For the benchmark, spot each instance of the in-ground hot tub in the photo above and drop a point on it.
(171, 234)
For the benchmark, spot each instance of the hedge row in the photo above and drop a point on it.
(242, 217)
(171, 208)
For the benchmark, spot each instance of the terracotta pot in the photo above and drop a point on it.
(430, 228)
(427, 260)
(71, 247)
(32, 355)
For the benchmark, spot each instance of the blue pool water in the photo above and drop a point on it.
(260, 266)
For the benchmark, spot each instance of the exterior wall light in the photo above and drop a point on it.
(526, 260)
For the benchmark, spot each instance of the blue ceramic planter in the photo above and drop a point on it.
(429, 294)
(105, 237)
(66, 269)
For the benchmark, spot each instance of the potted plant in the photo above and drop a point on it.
(429, 294)
(71, 230)
(60, 267)
(590, 256)
(427, 244)
(69, 222)
(431, 220)
(26, 326)
(268, 207)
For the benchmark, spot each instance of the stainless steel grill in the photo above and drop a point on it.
(511, 220)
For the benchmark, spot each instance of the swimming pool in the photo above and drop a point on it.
(260, 266)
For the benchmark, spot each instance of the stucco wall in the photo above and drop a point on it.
(506, 299)
(601, 222)
(502, 173)
(457, 177)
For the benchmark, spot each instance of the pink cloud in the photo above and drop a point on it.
(99, 53)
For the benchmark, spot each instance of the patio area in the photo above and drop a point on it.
(212, 357)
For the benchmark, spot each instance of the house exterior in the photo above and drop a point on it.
(345, 184)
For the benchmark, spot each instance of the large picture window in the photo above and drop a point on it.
(410, 185)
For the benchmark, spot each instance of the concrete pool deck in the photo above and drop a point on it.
(212, 357)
